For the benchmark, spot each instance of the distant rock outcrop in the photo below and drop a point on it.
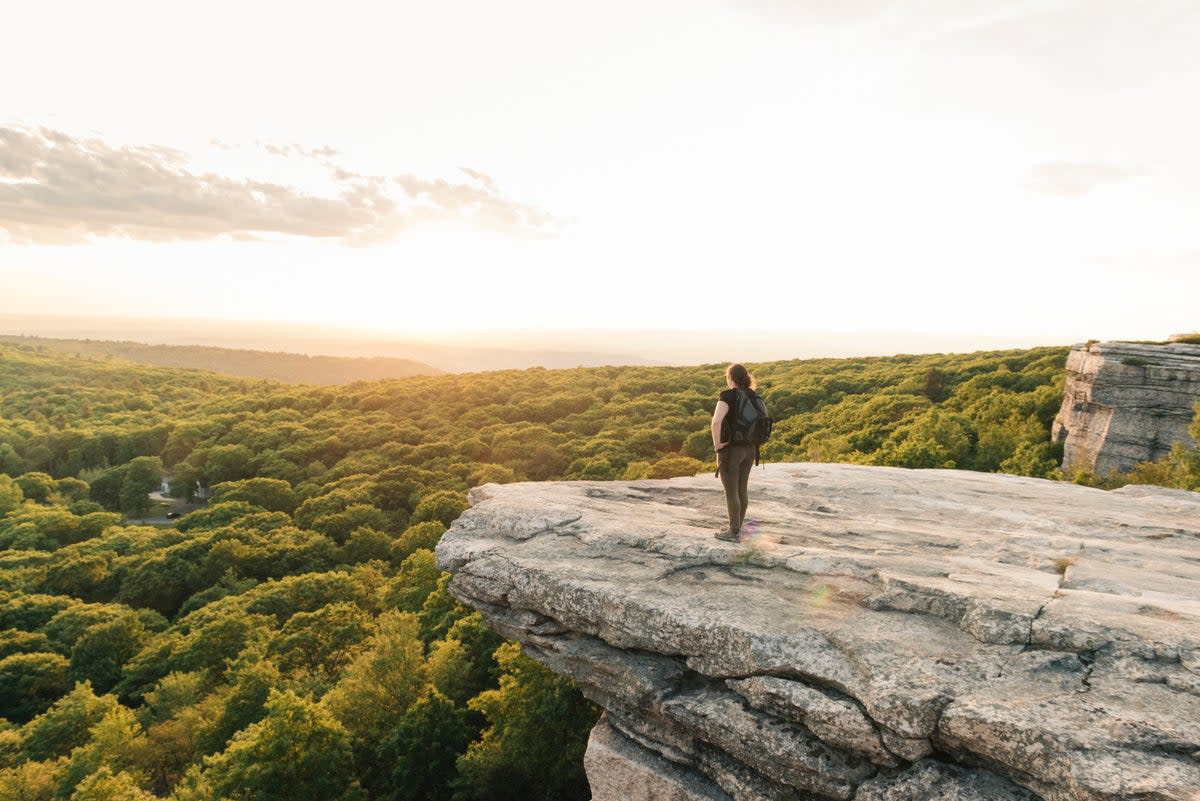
(1126, 403)
(881, 635)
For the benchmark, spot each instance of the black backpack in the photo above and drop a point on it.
(748, 420)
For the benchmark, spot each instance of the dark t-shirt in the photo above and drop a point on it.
(730, 396)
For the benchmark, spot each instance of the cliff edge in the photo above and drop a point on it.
(1126, 403)
(881, 635)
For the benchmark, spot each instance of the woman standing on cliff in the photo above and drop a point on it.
(734, 459)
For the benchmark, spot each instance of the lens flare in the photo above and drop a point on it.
(820, 595)
(753, 536)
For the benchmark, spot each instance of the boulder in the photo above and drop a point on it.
(878, 634)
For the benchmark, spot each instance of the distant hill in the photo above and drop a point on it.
(464, 354)
(517, 349)
(289, 368)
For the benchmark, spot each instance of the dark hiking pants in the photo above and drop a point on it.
(734, 463)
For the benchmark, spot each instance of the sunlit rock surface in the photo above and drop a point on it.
(1126, 403)
(881, 635)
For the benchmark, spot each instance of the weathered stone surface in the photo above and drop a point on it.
(839, 722)
(621, 770)
(1126, 403)
(936, 781)
(880, 632)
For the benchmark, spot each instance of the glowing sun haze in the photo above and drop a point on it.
(952, 166)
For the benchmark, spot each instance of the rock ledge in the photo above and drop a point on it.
(1125, 403)
(881, 634)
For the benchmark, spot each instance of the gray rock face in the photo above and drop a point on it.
(881, 634)
(1126, 403)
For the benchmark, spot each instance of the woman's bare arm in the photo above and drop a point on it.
(718, 416)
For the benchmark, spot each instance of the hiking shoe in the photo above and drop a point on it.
(727, 535)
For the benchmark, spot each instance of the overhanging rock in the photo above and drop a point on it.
(881, 634)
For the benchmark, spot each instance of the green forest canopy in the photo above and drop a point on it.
(290, 368)
(295, 632)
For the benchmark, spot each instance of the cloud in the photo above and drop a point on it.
(58, 189)
(1070, 178)
(322, 154)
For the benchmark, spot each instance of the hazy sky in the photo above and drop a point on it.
(848, 165)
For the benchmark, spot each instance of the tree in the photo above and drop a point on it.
(87, 576)
(413, 583)
(440, 611)
(420, 752)
(322, 642)
(298, 750)
(338, 525)
(677, 465)
(66, 725)
(28, 781)
(33, 611)
(450, 670)
(216, 515)
(698, 445)
(142, 476)
(269, 493)
(462, 665)
(487, 473)
(596, 468)
(1190, 458)
(935, 439)
(11, 461)
(94, 522)
(934, 385)
(635, 471)
(1031, 459)
(30, 683)
(174, 692)
(85, 507)
(327, 504)
(13, 641)
(537, 733)
(66, 627)
(104, 785)
(245, 704)
(227, 463)
(419, 535)
(105, 489)
(102, 650)
(72, 489)
(366, 544)
(11, 495)
(38, 487)
(383, 681)
(160, 582)
(442, 506)
(180, 443)
(111, 746)
(170, 745)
